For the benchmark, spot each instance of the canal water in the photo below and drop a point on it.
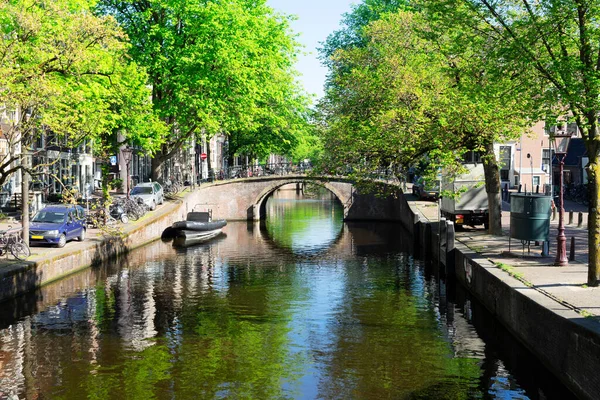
(301, 306)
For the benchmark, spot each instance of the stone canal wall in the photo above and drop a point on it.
(567, 343)
(21, 277)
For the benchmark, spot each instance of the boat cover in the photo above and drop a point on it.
(199, 226)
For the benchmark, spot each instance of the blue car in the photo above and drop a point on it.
(58, 224)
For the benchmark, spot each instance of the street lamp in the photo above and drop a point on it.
(561, 141)
(127, 153)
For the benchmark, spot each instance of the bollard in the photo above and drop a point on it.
(553, 213)
(572, 249)
(442, 240)
(571, 217)
(545, 248)
(450, 238)
(579, 219)
(537, 189)
(520, 188)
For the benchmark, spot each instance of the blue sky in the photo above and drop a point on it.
(316, 20)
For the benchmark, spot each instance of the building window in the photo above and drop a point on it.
(547, 155)
(536, 180)
(472, 157)
(504, 160)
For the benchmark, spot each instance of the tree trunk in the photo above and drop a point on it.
(593, 220)
(208, 163)
(105, 175)
(493, 190)
(156, 168)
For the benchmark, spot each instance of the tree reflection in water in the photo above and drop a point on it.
(308, 307)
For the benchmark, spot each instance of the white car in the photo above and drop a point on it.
(150, 192)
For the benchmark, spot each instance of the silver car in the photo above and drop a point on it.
(150, 192)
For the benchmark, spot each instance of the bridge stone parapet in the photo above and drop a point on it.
(245, 199)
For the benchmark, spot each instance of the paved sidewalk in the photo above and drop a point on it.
(42, 251)
(566, 285)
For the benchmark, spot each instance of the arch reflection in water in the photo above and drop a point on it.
(242, 318)
(304, 224)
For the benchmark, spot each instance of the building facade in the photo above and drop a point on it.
(530, 161)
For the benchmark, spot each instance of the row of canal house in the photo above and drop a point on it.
(78, 167)
(530, 161)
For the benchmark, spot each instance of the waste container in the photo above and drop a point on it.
(530, 217)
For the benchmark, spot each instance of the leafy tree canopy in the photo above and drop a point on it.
(353, 23)
(420, 88)
(215, 67)
(61, 70)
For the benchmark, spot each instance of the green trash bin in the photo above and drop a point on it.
(530, 217)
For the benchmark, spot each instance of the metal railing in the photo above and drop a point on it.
(257, 170)
(288, 168)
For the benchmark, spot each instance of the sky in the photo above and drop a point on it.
(316, 20)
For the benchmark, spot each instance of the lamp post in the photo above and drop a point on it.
(561, 145)
(127, 154)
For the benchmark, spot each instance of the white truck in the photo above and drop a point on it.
(470, 206)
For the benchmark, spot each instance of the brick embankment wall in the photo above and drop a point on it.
(20, 278)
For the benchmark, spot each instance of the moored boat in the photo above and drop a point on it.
(197, 228)
(186, 238)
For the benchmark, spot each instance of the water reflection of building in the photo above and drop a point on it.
(136, 310)
(12, 359)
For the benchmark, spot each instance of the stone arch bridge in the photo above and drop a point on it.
(245, 198)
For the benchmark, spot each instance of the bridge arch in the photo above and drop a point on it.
(242, 198)
(260, 201)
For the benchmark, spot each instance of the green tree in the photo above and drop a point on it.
(378, 114)
(281, 130)
(214, 67)
(350, 35)
(66, 74)
(418, 88)
(487, 105)
(128, 114)
(557, 43)
(54, 58)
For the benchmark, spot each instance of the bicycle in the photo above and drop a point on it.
(101, 218)
(11, 240)
(172, 187)
(134, 208)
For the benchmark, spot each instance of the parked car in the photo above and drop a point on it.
(150, 192)
(58, 224)
(426, 190)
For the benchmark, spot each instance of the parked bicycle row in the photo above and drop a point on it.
(577, 193)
